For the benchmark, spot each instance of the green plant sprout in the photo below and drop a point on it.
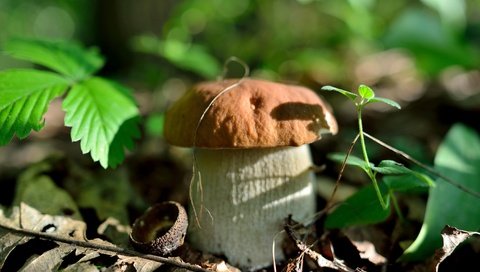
(390, 169)
(102, 114)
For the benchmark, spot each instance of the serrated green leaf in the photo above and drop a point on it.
(365, 92)
(458, 158)
(351, 160)
(24, 98)
(123, 140)
(362, 208)
(348, 94)
(96, 109)
(386, 101)
(67, 58)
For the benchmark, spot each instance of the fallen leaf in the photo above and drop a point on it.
(38, 190)
(27, 218)
(452, 237)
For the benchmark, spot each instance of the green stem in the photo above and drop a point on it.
(365, 157)
(396, 206)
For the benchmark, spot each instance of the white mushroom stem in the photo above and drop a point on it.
(249, 193)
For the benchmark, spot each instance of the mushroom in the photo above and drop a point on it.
(254, 161)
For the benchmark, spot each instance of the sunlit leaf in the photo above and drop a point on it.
(458, 158)
(386, 101)
(365, 92)
(348, 94)
(96, 109)
(66, 58)
(24, 98)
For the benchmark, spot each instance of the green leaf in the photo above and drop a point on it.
(365, 92)
(348, 94)
(96, 109)
(123, 140)
(351, 160)
(386, 101)
(389, 167)
(66, 58)
(24, 98)
(407, 183)
(362, 208)
(458, 157)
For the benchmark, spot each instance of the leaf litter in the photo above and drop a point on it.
(452, 238)
(28, 218)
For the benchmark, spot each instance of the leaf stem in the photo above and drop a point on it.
(396, 206)
(431, 170)
(370, 174)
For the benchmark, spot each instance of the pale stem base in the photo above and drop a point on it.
(249, 193)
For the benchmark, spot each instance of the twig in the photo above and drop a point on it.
(115, 249)
(424, 166)
(340, 174)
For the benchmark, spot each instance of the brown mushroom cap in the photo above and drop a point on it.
(252, 114)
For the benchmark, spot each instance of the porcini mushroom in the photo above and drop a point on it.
(252, 153)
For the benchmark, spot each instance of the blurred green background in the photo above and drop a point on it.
(423, 54)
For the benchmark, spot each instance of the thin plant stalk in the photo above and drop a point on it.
(370, 174)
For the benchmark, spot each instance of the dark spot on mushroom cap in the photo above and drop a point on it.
(301, 111)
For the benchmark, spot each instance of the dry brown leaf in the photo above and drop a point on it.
(28, 218)
(452, 237)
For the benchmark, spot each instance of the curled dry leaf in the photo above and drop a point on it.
(452, 237)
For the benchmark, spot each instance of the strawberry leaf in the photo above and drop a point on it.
(24, 98)
(66, 58)
(96, 109)
(127, 132)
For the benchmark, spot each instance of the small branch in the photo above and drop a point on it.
(340, 174)
(96, 246)
(424, 166)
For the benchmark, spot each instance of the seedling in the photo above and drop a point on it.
(390, 169)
